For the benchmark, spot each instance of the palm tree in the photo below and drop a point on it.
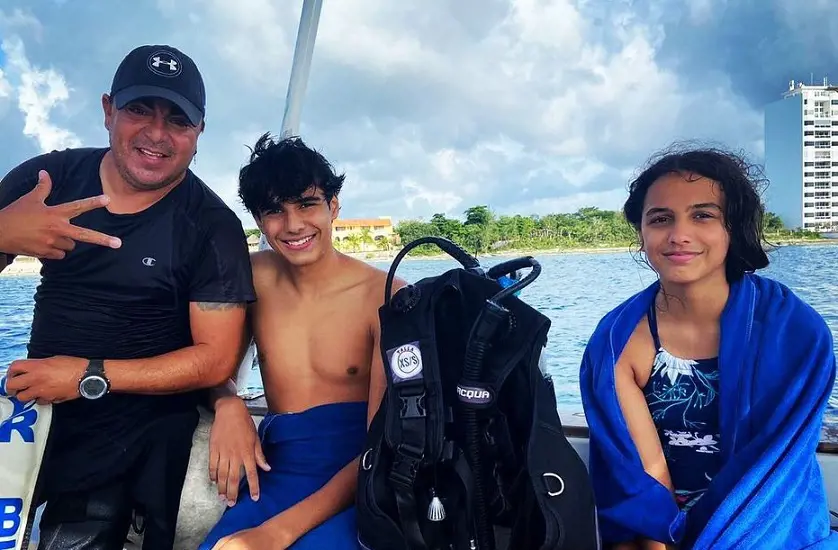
(382, 243)
(366, 239)
(353, 242)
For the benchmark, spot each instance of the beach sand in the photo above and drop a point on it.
(23, 265)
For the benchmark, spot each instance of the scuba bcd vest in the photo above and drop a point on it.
(466, 451)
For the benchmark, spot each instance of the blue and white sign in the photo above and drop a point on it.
(24, 428)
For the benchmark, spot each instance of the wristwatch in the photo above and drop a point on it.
(93, 383)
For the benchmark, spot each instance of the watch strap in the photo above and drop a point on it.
(95, 366)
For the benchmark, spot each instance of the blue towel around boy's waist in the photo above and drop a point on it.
(305, 450)
(316, 442)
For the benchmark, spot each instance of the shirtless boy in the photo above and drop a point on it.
(315, 323)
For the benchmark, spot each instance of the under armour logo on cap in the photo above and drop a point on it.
(164, 63)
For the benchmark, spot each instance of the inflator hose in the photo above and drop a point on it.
(491, 317)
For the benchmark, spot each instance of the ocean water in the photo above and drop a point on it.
(574, 290)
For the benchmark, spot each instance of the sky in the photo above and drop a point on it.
(431, 106)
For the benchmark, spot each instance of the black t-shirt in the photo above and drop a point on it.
(126, 303)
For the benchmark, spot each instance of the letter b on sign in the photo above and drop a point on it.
(10, 510)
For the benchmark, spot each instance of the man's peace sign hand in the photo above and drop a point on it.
(28, 227)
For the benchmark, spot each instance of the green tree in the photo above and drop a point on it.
(481, 231)
(366, 238)
(447, 227)
(353, 243)
(382, 243)
(478, 215)
(772, 223)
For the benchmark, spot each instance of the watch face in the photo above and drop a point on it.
(93, 387)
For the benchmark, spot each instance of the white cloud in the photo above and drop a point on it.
(370, 37)
(20, 20)
(439, 201)
(606, 200)
(701, 11)
(429, 106)
(538, 80)
(226, 185)
(435, 106)
(38, 93)
(253, 40)
(5, 87)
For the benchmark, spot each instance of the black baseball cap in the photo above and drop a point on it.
(164, 72)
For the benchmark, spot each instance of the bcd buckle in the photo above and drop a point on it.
(406, 464)
(412, 406)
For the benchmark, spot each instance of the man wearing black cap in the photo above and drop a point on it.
(141, 304)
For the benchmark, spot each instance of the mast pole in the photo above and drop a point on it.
(301, 66)
(297, 84)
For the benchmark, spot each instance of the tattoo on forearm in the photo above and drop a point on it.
(210, 306)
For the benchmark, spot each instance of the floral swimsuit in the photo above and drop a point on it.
(683, 397)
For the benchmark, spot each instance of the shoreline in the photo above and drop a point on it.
(379, 255)
(28, 266)
(23, 265)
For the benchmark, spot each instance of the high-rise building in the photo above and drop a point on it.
(801, 156)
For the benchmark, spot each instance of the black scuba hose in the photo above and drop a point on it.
(490, 318)
(451, 248)
(471, 371)
(509, 266)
